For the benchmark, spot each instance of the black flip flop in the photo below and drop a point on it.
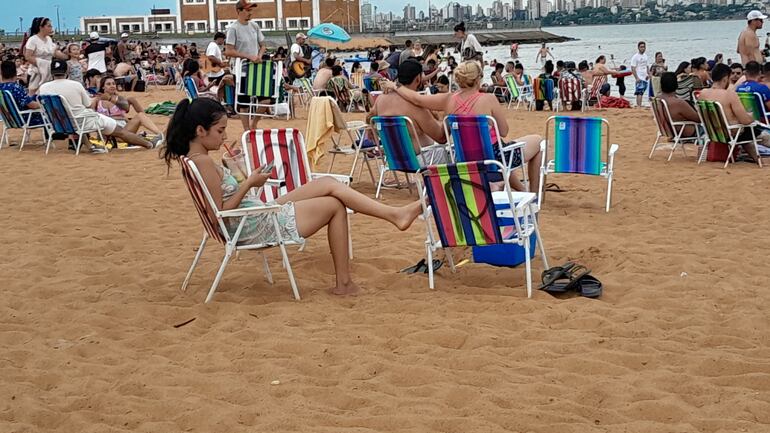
(590, 287)
(437, 264)
(555, 273)
(552, 187)
(419, 267)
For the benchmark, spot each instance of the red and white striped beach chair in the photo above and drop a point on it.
(571, 91)
(213, 220)
(592, 92)
(286, 149)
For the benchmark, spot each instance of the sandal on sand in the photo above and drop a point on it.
(552, 187)
(555, 273)
(565, 280)
(590, 287)
(421, 267)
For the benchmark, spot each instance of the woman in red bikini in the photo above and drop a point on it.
(469, 100)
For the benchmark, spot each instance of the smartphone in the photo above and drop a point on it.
(267, 168)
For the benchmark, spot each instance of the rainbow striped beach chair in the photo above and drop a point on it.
(467, 213)
(14, 118)
(256, 83)
(543, 90)
(670, 130)
(214, 227)
(471, 138)
(719, 130)
(58, 119)
(518, 93)
(577, 143)
(394, 136)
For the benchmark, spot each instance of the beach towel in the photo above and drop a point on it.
(320, 127)
(165, 108)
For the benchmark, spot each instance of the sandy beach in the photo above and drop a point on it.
(95, 248)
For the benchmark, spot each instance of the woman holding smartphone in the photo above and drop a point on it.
(198, 127)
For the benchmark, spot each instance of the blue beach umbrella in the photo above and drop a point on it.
(329, 32)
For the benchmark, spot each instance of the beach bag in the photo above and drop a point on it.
(281, 109)
(140, 86)
(718, 152)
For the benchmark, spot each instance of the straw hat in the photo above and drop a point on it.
(382, 65)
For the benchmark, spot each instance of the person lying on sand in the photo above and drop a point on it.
(199, 127)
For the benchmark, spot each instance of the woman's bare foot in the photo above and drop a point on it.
(408, 214)
(350, 288)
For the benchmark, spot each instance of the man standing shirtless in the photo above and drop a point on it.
(748, 42)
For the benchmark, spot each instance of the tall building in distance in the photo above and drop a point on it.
(409, 13)
(367, 14)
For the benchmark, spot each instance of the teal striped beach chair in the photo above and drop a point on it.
(577, 146)
(467, 213)
(14, 118)
(755, 105)
(394, 136)
(58, 119)
(719, 130)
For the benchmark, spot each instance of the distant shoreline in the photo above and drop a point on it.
(637, 24)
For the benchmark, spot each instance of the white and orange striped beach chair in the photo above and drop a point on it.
(285, 148)
(213, 220)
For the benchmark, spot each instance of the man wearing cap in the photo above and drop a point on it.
(297, 54)
(245, 40)
(122, 49)
(96, 52)
(428, 128)
(748, 42)
(78, 100)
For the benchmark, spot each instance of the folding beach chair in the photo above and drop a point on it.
(570, 92)
(342, 95)
(471, 138)
(190, 89)
(58, 119)
(755, 105)
(670, 130)
(286, 149)
(14, 118)
(465, 213)
(543, 91)
(215, 228)
(577, 143)
(371, 84)
(592, 92)
(719, 130)
(518, 93)
(394, 136)
(258, 82)
(354, 129)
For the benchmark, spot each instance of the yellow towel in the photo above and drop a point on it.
(323, 119)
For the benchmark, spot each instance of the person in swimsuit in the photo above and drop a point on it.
(111, 104)
(199, 127)
(542, 54)
(469, 100)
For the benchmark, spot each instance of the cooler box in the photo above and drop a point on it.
(717, 152)
(505, 254)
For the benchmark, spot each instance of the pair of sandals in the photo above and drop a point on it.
(571, 277)
(422, 267)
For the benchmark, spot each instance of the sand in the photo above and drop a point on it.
(94, 250)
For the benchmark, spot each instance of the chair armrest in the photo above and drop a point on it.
(515, 145)
(685, 123)
(338, 177)
(543, 145)
(248, 211)
(614, 148)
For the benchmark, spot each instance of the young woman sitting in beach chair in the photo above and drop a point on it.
(110, 103)
(198, 127)
(469, 100)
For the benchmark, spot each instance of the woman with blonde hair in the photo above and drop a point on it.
(468, 99)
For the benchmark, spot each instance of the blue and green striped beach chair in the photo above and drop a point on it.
(58, 119)
(719, 130)
(577, 146)
(14, 118)
(257, 87)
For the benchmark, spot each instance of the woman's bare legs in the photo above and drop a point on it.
(532, 161)
(314, 213)
(147, 123)
(401, 217)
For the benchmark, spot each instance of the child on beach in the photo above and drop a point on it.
(74, 65)
(198, 127)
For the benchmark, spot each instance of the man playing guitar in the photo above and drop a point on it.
(300, 65)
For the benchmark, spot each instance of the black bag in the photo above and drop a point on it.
(140, 86)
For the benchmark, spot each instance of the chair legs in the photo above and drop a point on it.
(195, 260)
(220, 273)
(654, 145)
(4, 137)
(609, 191)
(429, 253)
(268, 274)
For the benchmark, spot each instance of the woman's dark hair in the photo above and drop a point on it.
(103, 81)
(8, 69)
(190, 67)
(560, 63)
(548, 67)
(681, 68)
(698, 62)
(188, 116)
(443, 80)
(329, 62)
(355, 67)
(600, 58)
(336, 70)
(37, 23)
(460, 27)
(583, 65)
(668, 82)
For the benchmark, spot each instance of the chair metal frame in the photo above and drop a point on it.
(676, 127)
(221, 234)
(24, 115)
(254, 105)
(548, 166)
(78, 122)
(733, 132)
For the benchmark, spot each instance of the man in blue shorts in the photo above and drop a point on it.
(640, 66)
